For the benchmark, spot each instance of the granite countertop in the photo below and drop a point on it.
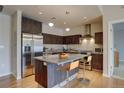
(54, 59)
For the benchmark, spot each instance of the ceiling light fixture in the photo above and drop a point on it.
(40, 13)
(51, 24)
(85, 17)
(64, 23)
(67, 29)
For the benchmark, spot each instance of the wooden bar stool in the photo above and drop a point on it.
(85, 62)
(68, 67)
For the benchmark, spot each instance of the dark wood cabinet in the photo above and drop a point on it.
(41, 73)
(74, 39)
(99, 38)
(31, 26)
(97, 61)
(52, 39)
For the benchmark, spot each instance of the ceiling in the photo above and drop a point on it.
(75, 18)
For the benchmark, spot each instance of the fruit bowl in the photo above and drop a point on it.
(63, 55)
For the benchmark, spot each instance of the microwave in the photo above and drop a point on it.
(99, 50)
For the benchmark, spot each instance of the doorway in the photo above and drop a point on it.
(117, 49)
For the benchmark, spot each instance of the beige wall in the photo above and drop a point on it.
(76, 30)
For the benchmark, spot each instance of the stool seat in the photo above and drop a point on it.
(68, 67)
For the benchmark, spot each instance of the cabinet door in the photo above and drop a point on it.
(94, 59)
(99, 38)
(97, 61)
(26, 25)
(31, 26)
(41, 73)
(37, 27)
(64, 40)
(76, 39)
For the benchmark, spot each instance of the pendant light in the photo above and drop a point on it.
(51, 24)
(67, 28)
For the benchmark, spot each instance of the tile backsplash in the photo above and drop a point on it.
(55, 46)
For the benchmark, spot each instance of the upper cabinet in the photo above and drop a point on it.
(52, 39)
(74, 39)
(31, 26)
(99, 38)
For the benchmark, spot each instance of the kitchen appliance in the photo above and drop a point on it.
(98, 50)
(88, 35)
(32, 46)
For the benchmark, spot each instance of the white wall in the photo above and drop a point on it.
(5, 65)
(16, 44)
(110, 13)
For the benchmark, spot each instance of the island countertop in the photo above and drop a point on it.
(54, 59)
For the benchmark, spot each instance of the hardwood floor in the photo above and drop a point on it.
(96, 81)
(11, 82)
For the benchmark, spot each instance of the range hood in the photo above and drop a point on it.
(88, 32)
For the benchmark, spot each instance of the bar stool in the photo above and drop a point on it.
(67, 68)
(83, 79)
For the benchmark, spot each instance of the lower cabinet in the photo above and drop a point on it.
(97, 61)
(41, 73)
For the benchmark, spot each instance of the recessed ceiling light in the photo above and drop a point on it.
(40, 13)
(64, 23)
(51, 24)
(67, 12)
(67, 29)
(84, 17)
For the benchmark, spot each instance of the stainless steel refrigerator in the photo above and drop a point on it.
(32, 46)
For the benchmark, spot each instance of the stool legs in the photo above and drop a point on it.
(83, 79)
(67, 79)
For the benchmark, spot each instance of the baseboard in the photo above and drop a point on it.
(65, 82)
(17, 78)
(105, 75)
(117, 77)
(6, 74)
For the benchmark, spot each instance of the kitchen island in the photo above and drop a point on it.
(47, 73)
